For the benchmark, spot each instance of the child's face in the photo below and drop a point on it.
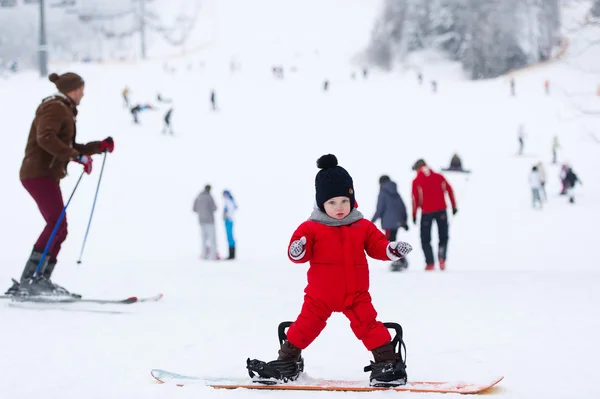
(338, 207)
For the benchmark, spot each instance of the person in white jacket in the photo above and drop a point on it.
(542, 172)
(535, 181)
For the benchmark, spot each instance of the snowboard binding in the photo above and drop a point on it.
(390, 374)
(276, 371)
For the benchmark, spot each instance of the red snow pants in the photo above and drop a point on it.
(361, 313)
(46, 193)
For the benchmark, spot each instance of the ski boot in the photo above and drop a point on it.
(287, 367)
(389, 368)
(58, 290)
(40, 285)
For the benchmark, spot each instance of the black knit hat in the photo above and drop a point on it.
(332, 181)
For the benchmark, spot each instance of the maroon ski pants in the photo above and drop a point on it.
(46, 193)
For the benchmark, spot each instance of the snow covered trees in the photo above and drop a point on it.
(595, 11)
(489, 37)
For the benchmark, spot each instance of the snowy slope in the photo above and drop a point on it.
(519, 297)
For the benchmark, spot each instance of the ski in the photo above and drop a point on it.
(65, 299)
(306, 383)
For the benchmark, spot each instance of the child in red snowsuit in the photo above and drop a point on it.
(334, 241)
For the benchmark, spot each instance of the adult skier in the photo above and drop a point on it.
(51, 145)
(429, 194)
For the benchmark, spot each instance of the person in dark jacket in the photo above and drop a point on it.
(390, 208)
(392, 212)
(571, 179)
(168, 128)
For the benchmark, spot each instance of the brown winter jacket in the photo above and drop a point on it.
(51, 143)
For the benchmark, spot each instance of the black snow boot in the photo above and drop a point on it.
(231, 253)
(389, 368)
(287, 367)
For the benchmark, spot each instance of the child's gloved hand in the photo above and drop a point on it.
(398, 249)
(298, 249)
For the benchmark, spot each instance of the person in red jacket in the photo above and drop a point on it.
(429, 193)
(334, 240)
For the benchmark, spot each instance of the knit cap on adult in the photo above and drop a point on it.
(66, 82)
(332, 181)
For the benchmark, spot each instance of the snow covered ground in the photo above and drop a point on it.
(520, 296)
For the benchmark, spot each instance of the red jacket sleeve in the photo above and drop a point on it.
(415, 198)
(376, 244)
(450, 192)
(303, 230)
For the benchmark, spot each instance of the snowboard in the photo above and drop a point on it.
(306, 383)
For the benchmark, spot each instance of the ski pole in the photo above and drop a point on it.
(60, 218)
(93, 207)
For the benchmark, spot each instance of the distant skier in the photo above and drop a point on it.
(213, 100)
(205, 207)
(434, 86)
(163, 100)
(521, 136)
(429, 193)
(51, 145)
(334, 239)
(571, 179)
(555, 148)
(392, 212)
(137, 109)
(547, 87)
(535, 182)
(325, 85)
(277, 71)
(542, 171)
(420, 78)
(125, 94)
(564, 169)
(229, 210)
(168, 128)
(513, 90)
(456, 165)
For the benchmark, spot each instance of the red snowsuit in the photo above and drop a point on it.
(338, 280)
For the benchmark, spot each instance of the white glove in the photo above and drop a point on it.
(398, 249)
(298, 249)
